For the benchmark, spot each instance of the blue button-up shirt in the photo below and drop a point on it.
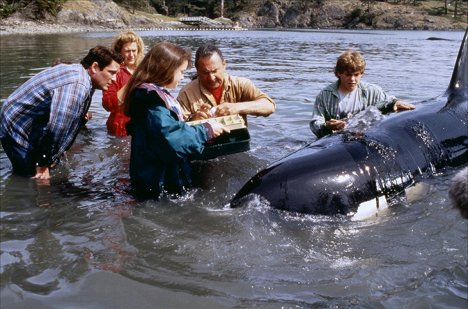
(44, 114)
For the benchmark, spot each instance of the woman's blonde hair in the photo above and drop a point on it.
(129, 37)
(350, 61)
(158, 67)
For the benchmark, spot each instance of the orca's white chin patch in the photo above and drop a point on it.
(418, 192)
(370, 208)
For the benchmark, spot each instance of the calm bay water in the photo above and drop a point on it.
(83, 242)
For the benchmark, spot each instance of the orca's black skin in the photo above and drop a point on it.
(432, 38)
(333, 175)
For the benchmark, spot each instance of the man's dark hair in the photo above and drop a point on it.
(207, 50)
(102, 55)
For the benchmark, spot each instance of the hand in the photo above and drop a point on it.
(88, 116)
(226, 109)
(218, 128)
(202, 113)
(335, 125)
(42, 172)
(401, 106)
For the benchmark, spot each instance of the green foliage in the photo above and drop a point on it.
(437, 11)
(232, 8)
(198, 7)
(357, 16)
(160, 6)
(208, 8)
(9, 7)
(49, 6)
(42, 7)
(133, 5)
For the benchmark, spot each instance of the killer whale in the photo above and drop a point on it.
(337, 173)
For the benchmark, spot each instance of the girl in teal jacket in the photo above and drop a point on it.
(162, 143)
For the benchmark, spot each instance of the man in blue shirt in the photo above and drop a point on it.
(39, 121)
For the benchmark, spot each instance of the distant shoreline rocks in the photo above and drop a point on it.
(32, 27)
(17, 26)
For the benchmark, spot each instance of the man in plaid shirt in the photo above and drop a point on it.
(40, 120)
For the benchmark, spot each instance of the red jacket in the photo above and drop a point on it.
(116, 124)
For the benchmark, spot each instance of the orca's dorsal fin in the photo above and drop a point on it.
(459, 81)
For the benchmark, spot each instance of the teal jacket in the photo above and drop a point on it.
(326, 104)
(161, 144)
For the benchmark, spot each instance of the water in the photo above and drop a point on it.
(83, 242)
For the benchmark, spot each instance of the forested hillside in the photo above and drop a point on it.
(232, 8)
(351, 14)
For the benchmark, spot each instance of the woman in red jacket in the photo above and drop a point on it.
(131, 47)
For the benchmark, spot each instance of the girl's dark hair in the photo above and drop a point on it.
(158, 67)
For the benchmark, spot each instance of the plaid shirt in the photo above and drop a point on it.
(44, 114)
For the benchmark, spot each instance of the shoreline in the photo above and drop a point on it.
(33, 28)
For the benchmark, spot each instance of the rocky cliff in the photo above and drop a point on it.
(107, 14)
(82, 16)
(352, 14)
